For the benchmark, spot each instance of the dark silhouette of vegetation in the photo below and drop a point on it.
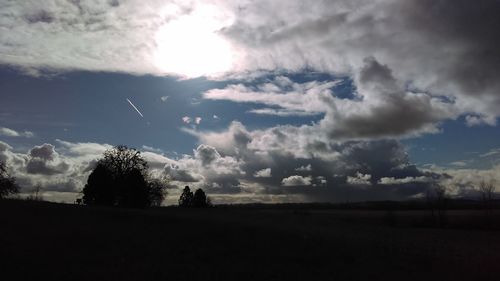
(157, 191)
(437, 202)
(487, 190)
(121, 178)
(134, 190)
(199, 199)
(8, 183)
(100, 186)
(36, 193)
(186, 199)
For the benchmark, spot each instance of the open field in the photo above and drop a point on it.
(57, 241)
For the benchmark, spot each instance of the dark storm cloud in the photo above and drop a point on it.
(114, 3)
(386, 110)
(437, 48)
(336, 169)
(382, 107)
(474, 29)
(40, 166)
(45, 152)
(40, 16)
(176, 173)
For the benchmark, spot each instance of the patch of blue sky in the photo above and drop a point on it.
(455, 142)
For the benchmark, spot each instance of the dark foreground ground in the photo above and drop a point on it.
(65, 242)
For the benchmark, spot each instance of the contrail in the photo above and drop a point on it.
(135, 108)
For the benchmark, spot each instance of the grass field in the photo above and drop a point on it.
(67, 242)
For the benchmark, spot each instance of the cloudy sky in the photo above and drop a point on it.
(254, 101)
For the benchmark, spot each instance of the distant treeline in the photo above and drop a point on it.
(451, 204)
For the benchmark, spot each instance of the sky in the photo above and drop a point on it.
(254, 101)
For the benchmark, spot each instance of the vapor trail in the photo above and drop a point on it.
(135, 108)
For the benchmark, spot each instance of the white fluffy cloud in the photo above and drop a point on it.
(492, 152)
(7, 132)
(382, 107)
(207, 168)
(58, 169)
(296, 180)
(359, 179)
(141, 37)
(307, 168)
(466, 181)
(406, 71)
(300, 99)
(264, 173)
(189, 120)
(392, 180)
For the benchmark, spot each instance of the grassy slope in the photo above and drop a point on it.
(58, 241)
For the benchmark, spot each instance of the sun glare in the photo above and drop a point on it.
(190, 45)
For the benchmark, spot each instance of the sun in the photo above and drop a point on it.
(191, 45)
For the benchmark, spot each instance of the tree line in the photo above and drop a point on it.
(120, 178)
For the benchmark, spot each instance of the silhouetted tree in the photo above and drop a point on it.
(200, 199)
(100, 187)
(121, 161)
(121, 179)
(186, 199)
(487, 190)
(36, 193)
(437, 200)
(157, 191)
(8, 184)
(442, 201)
(133, 191)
